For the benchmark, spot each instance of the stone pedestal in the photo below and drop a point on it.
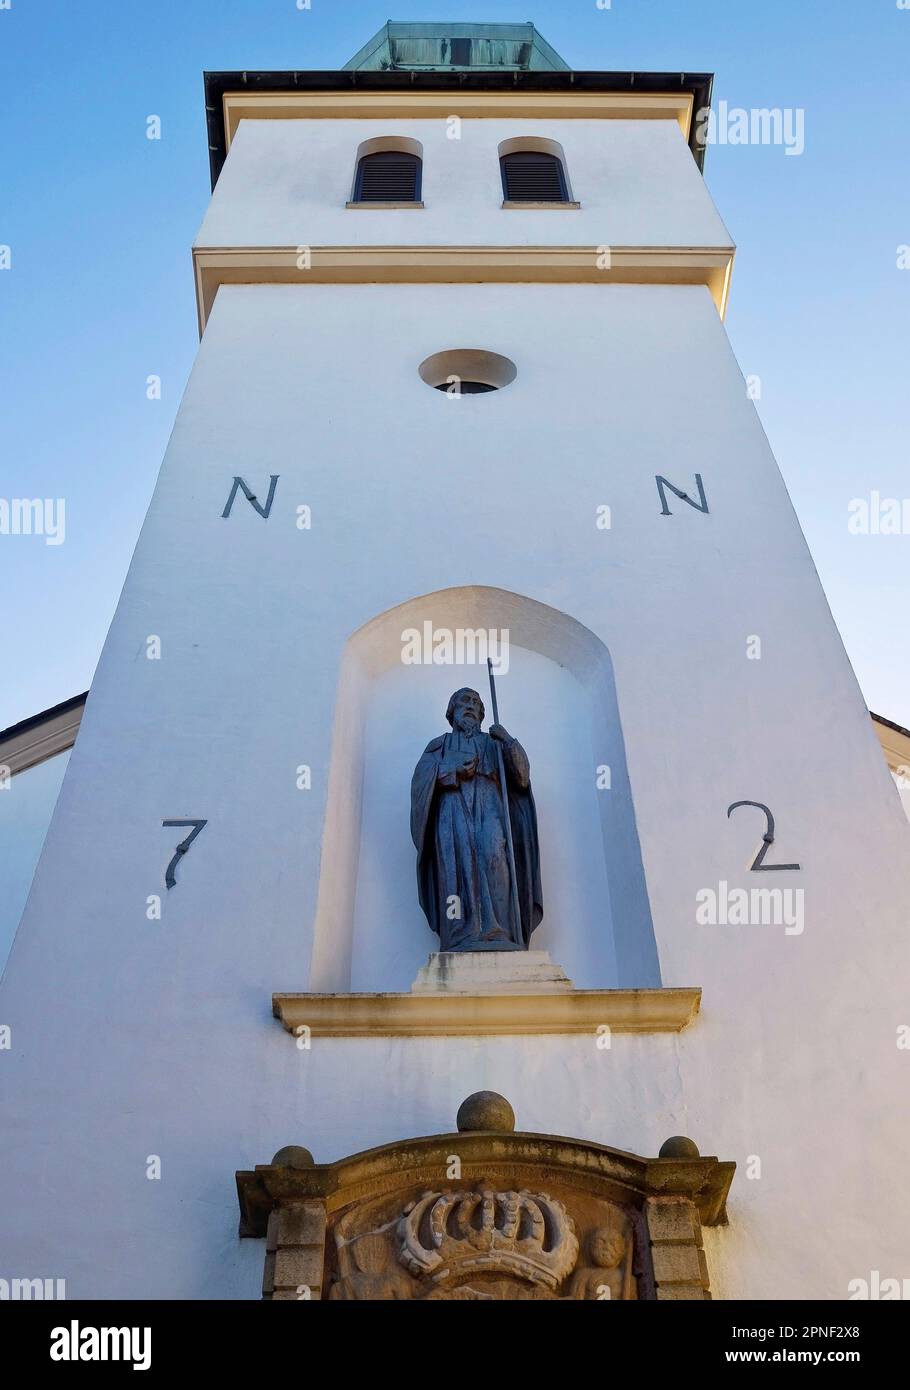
(491, 972)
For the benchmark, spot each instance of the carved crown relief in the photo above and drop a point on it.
(483, 1243)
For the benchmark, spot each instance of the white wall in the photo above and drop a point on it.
(158, 1036)
(26, 805)
(285, 183)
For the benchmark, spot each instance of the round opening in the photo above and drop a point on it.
(457, 387)
(467, 371)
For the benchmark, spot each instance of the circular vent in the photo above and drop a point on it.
(467, 371)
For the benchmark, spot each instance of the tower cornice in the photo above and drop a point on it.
(415, 264)
(234, 96)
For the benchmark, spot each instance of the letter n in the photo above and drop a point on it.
(251, 496)
(700, 506)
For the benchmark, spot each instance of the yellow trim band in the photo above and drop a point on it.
(629, 265)
(420, 105)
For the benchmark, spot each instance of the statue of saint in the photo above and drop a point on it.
(458, 823)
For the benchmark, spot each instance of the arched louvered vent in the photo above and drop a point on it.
(389, 176)
(533, 176)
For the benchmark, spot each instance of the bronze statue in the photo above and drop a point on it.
(467, 888)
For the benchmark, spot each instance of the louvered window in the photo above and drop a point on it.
(391, 176)
(532, 176)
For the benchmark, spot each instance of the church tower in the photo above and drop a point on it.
(464, 392)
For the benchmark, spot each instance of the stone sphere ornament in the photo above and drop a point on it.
(486, 1111)
(678, 1146)
(293, 1156)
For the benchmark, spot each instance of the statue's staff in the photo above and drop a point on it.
(513, 877)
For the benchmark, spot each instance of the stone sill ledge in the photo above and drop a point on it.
(519, 204)
(541, 205)
(448, 1015)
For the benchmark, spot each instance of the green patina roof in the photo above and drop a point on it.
(449, 47)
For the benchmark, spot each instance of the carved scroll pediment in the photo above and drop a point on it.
(486, 1213)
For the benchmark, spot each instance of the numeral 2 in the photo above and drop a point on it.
(767, 839)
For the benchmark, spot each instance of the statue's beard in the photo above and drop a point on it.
(467, 725)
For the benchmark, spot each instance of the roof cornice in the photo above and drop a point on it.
(42, 736)
(694, 87)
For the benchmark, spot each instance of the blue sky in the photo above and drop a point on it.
(100, 292)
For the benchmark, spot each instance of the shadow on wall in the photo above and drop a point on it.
(558, 697)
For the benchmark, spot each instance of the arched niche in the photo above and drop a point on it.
(559, 698)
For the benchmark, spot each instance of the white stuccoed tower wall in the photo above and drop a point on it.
(134, 1037)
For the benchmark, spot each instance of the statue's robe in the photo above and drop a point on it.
(458, 827)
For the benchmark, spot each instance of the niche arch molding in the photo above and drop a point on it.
(376, 648)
